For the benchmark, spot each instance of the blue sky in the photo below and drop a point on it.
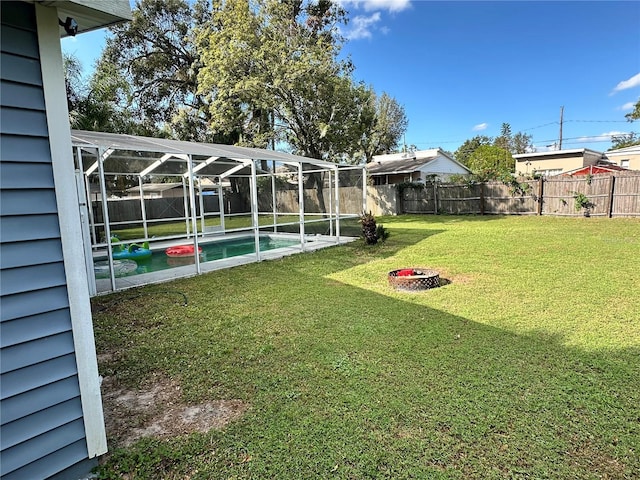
(461, 69)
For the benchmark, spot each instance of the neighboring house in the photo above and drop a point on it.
(418, 166)
(555, 162)
(51, 417)
(568, 161)
(628, 157)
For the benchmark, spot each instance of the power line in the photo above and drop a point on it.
(586, 137)
(577, 121)
(567, 140)
(599, 121)
(539, 126)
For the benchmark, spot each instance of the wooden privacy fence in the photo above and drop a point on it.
(608, 195)
(287, 200)
(130, 210)
(605, 195)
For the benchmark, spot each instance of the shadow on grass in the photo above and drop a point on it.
(349, 383)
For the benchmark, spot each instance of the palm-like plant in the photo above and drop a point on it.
(371, 231)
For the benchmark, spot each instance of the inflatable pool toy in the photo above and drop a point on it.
(181, 251)
(121, 268)
(133, 251)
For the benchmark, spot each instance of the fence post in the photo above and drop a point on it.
(435, 197)
(540, 192)
(482, 198)
(612, 181)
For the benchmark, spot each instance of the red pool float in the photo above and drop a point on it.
(181, 251)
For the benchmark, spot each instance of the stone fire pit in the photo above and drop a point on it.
(414, 279)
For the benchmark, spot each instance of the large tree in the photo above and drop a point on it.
(271, 70)
(506, 142)
(465, 150)
(504, 139)
(521, 143)
(388, 124)
(73, 80)
(263, 67)
(635, 114)
(227, 44)
(628, 139)
(624, 140)
(518, 143)
(99, 102)
(490, 162)
(256, 73)
(156, 54)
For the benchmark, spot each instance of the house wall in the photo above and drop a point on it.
(617, 158)
(557, 162)
(443, 168)
(49, 388)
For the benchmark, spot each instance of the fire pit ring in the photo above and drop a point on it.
(414, 279)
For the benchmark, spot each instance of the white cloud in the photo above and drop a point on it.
(627, 106)
(371, 5)
(360, 27)
(480, 127)
(626, 84)
(603, 137)
(363, 26)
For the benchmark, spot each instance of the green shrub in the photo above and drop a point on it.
(371, 231)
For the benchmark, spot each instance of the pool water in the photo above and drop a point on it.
(211, 251)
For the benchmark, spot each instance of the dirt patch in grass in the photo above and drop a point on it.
(446, 277)
(588, 457)
(157, 410)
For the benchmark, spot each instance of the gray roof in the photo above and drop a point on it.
(388, 167)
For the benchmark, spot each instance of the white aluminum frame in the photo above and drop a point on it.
(189, 177)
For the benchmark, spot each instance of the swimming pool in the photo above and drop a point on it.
(211, 251)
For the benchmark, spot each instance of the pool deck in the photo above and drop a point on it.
(312, 243)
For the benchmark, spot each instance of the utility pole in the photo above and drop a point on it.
(561, 116)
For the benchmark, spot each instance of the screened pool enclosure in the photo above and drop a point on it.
(155, 209)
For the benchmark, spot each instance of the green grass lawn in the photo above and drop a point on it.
(526, 365)
(286, 223)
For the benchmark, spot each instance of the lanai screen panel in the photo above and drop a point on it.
(138, 206)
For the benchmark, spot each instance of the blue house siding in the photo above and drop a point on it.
(41, 418)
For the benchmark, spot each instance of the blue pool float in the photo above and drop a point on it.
(133, 251)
